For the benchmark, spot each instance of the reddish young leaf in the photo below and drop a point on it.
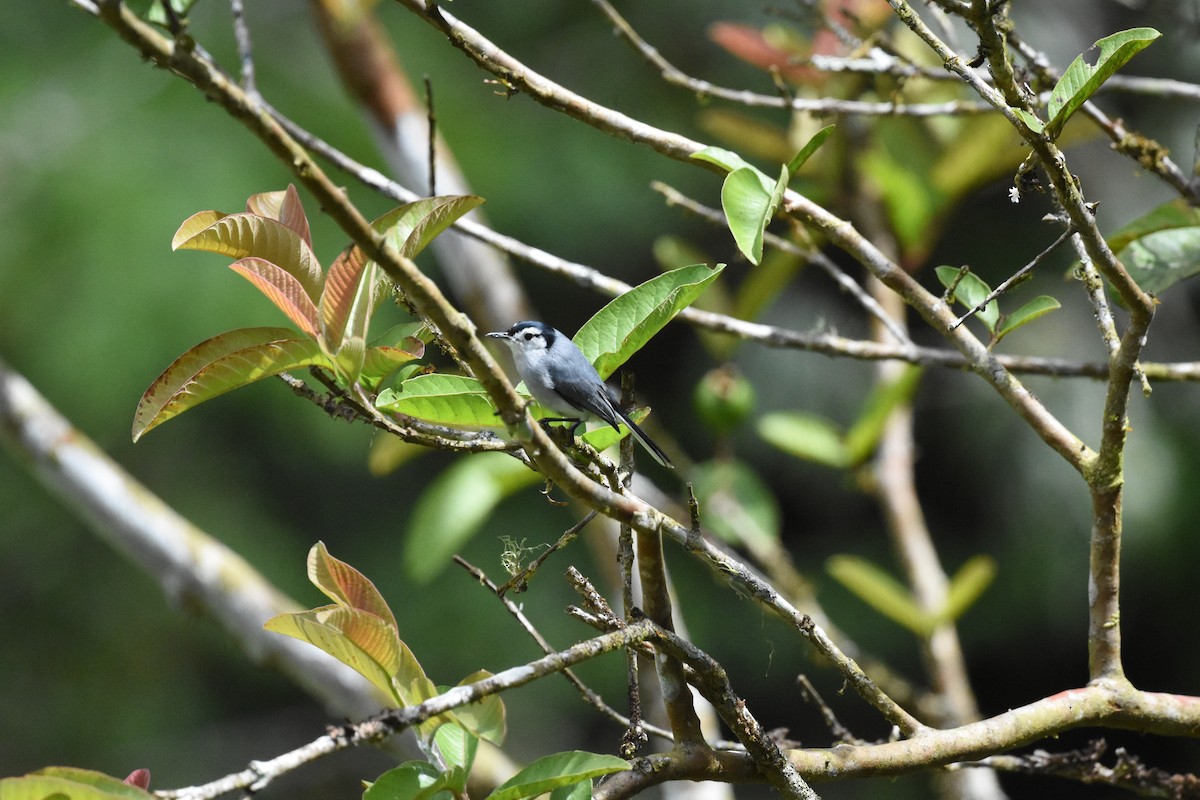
(750, 45)
(346, 300)
(345, 585)
(219, 365)
(245, 234)
(283, 206)
(282, 289)
(139, 778)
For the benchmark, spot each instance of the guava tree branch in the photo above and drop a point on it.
(458, 331)
(386, 724)
(931, 307)
(1102, 470)
(1108, 703)
(773, 336)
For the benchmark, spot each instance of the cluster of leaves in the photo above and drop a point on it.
(359, 629)
(332, 310)
(461, 498)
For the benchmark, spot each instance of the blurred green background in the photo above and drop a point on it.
(102, 156)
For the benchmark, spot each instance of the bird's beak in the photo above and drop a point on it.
(497, 335)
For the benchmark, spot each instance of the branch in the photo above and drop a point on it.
(1016, 277)
(388, 723)
(877, 63)
(193, 569)
(585, 691)
(766, 335)
(842, 233)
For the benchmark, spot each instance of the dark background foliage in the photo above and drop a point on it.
(102, 156)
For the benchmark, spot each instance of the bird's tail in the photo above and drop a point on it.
(645, 441)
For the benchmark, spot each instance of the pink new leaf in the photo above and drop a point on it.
(282, 289)
(346, 299)
(245, 234)
(283, 206)
(345, 585)
(222, 364)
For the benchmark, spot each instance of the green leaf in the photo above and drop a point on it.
(415, 780)
(455, 505)
(809, 148)
(805, 436)
(970, 290)
(553, 771)
(738, 506)
(1031, 120)
(880, 591)
(282, 289)
(457, 747)
(1161, 259)
(412, 226)
(1171, 214)
(728, 161)
(345, 585)
(443, 400)
(576, 791)
(1081, 80)
(1037, 307)
(863, 436)
(244, 234)
(53, 783)
(219, 365)
(621, 328)
(157, 16)
(967, 585)
(749, 207)
(381, 361)
(486, 718)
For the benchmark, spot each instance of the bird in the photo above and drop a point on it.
(560, 378)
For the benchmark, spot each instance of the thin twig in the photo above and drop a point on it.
(589, 695)
(431, 116)
(1016, 277)
(520, 581)
(836, 728)
(814, 105)
(241, 32)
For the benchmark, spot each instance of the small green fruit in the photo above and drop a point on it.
(723, 398)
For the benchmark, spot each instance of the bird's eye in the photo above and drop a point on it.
(528, 336)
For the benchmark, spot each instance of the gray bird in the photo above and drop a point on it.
(560, 377)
